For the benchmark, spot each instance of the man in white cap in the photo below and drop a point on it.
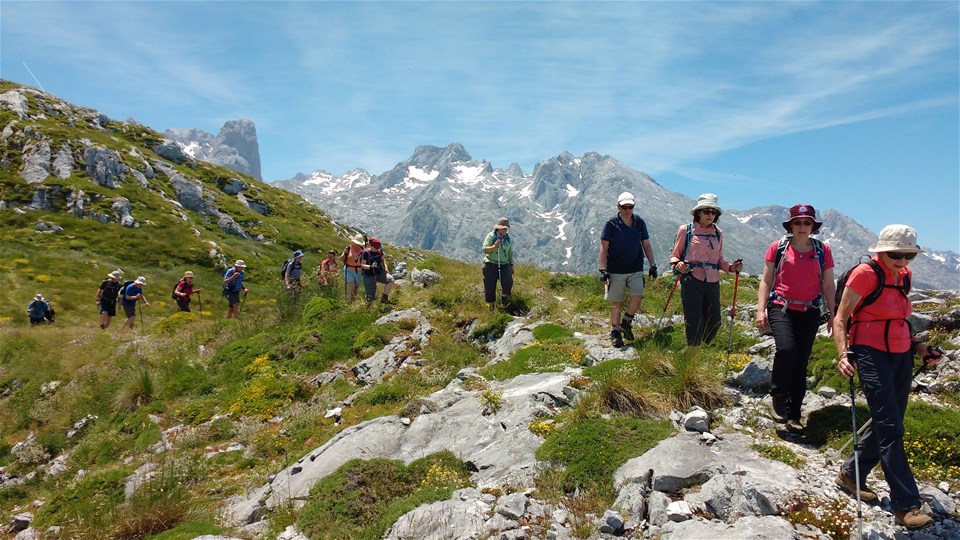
(37, 309)
(623, 243)
(131, 294)
(233, 286)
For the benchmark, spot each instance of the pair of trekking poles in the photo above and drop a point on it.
(733, 305)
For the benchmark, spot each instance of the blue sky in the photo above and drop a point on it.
(846, 105)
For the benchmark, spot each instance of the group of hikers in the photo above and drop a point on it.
(868, 321)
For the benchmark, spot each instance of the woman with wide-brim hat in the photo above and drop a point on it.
(698, 256)
(352, 266)
(498, 263)
(878, 346)
(797, 281)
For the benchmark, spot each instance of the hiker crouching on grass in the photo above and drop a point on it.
(233, 286)
(879, 347)
(328, 269)
(623, 243)
(797, 279)
(107, 296)
(498, 263)
(183, 291)
(291, 278)
(38, 309)
(131, 295)
(698, 256)
(374, 266)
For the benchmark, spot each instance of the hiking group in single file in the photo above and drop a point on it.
(866, 311)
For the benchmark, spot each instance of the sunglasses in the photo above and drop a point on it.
(626, 206)
(802, 222)
(708, 211)
(897, 256)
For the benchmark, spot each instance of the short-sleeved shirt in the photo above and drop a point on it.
(503, 254)
(131, 290)
(706, 246)
(625, 248)
(799, 275)
(109, 290)
(37, 309)
(186, 288)
(870, 323)
(371, 256)
(237, 284)
(329, 265)
(295, 269)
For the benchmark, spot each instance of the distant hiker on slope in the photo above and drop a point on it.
(698, 256)
(131, 294)
(623, 243)
(328, 269)
(880, 348)
(233, 286)
(797, 279)
(352, 278)
(374, 266)
(292, 273)
(38, 309)
(498, 263)
(107, 296)
(183, 290)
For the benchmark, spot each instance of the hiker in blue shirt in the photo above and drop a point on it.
(291, 278)
(623, 243)
(38, 309)
(233, 286)
(131, 294)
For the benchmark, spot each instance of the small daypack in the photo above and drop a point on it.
(874, 295)
(173, 294)
(123, 290)
(283, 269)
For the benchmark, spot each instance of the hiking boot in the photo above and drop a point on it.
(779, 409)
(385, 300)
(846, 482)
(491, 306)
(626, 324)
(795, 427)
(616, 337)
(912, 519)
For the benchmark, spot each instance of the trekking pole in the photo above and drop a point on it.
(667, 305)
(140, 306)
(500, 273)
(733, 311)
(200, 301)
(866, 424)
(856, 457)
(242, 300)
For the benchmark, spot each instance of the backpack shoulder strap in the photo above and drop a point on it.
(686, 241)
(821, 253)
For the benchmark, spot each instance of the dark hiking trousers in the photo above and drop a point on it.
(491, 273)
(701, 309)
(885, 379)
(183, 305)
(793, 333)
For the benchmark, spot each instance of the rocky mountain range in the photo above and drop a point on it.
(235, 147)
(445, 200)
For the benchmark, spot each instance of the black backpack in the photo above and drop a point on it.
(283, 269)
(874, 295)
(173, 294)
(123, 290)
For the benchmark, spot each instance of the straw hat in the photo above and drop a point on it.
(358, 240)
(900, 238)
(38, 297)
(115, 275)
(240, 263)
(140, 281)
(188, 274)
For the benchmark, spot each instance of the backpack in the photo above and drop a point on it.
(690, 235)
(173, 294)
(283, 269)
(874, 295)
(122, 295)
(782, 249)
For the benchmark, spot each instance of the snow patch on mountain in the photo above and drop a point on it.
(572, 191)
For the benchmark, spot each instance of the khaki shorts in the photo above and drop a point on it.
(621, 283)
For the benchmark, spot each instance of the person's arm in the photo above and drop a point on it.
(492, 246)
(763, 294)
(179, 290)
(677, 250)
(648, 250)
(604, 251)
(848, 302)
(828, 288)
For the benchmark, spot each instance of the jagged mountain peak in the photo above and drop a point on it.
(235, 146)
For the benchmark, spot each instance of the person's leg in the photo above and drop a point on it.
(805, 324)
(370, 288)
(691, 299)
(489, 283)
(711, 310)
(506, 282)
(786, 350)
